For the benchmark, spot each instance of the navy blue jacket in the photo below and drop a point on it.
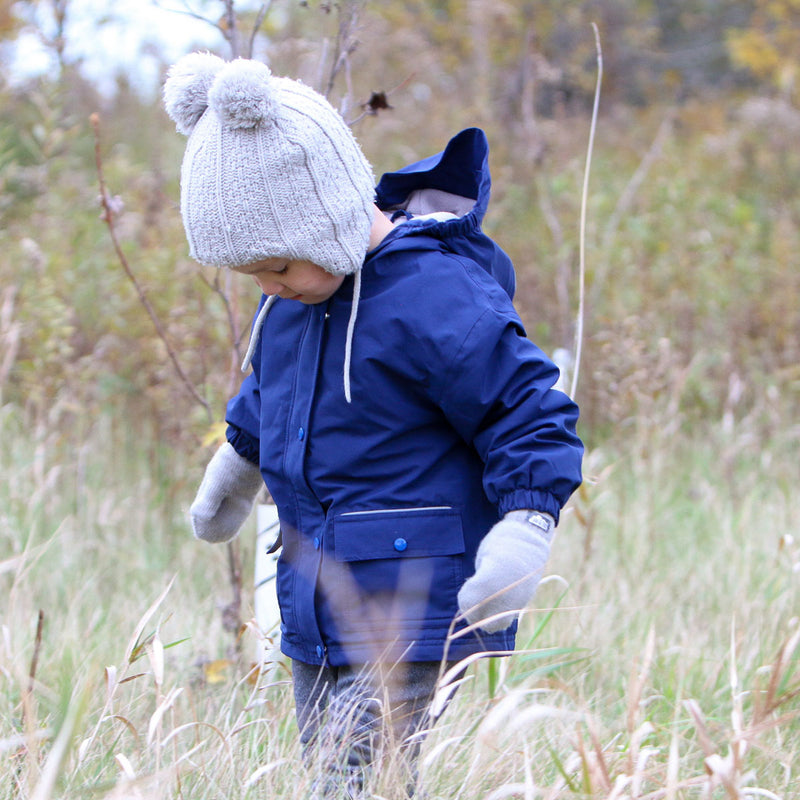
(453, 422)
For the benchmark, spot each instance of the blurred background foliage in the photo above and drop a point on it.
(692, 309)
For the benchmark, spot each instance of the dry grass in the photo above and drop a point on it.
(663, 661)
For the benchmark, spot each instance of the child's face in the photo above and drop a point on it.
(293, 280)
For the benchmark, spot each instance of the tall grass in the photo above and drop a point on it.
(693, 225)
(661, 659)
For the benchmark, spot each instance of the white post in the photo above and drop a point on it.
(265, 601)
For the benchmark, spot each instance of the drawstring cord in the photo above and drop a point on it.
(256, 332)
(348, 346)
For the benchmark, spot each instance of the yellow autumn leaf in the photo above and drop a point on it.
(253, 674)
(215, 434)
(217, 671)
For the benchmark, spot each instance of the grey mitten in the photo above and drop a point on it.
(225, 497)
(508, 567)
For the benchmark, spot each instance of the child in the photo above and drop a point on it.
(405, 427)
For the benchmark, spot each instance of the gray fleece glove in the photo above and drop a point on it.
(225, 497)
(508, 567)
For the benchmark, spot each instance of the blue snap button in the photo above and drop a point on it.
(301, 433)
(320, 650)
(400, 545)
(316, 543)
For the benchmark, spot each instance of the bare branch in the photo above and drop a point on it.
(261, 16)
(236, 334)
(108, 217)
(190, 12)
(232, 613)
(230, 30)
(346, 41)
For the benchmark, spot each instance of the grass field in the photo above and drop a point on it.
(662, 656)
(661, 659)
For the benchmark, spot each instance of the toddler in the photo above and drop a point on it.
(406, 428)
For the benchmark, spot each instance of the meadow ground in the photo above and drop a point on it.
(660, 659)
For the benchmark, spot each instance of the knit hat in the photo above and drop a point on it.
(271, 169)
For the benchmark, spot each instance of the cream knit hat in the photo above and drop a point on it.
(271, 170)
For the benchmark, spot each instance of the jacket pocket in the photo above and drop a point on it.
(398, 533)
(410, 559)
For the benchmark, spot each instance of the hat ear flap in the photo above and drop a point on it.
(186, 89)
(243, 95)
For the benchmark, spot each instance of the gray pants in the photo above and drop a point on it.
(355, 716)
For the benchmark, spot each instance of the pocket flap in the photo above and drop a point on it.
(398, 533)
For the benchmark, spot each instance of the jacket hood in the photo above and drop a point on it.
(446, 196)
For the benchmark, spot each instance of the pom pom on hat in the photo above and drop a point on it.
(242, 95)
(186, 89)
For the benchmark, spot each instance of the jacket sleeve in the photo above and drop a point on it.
(497, 393)
(244, 419)
(243, 413)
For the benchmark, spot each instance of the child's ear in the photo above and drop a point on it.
(186, 89)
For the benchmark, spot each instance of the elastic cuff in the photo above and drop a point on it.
(530, 498)
(244, 444)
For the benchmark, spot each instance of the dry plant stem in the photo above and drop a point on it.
(37, 646)
(10, 333)
(260, 17)
(189, 12)
(637, 684)
(231, 297)
(230, 31)
(772, 698)
(584, 195)
(346, 44)
(236, 333)
(27, 710)
(232, 613)
(44, 789)
(109, 220)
